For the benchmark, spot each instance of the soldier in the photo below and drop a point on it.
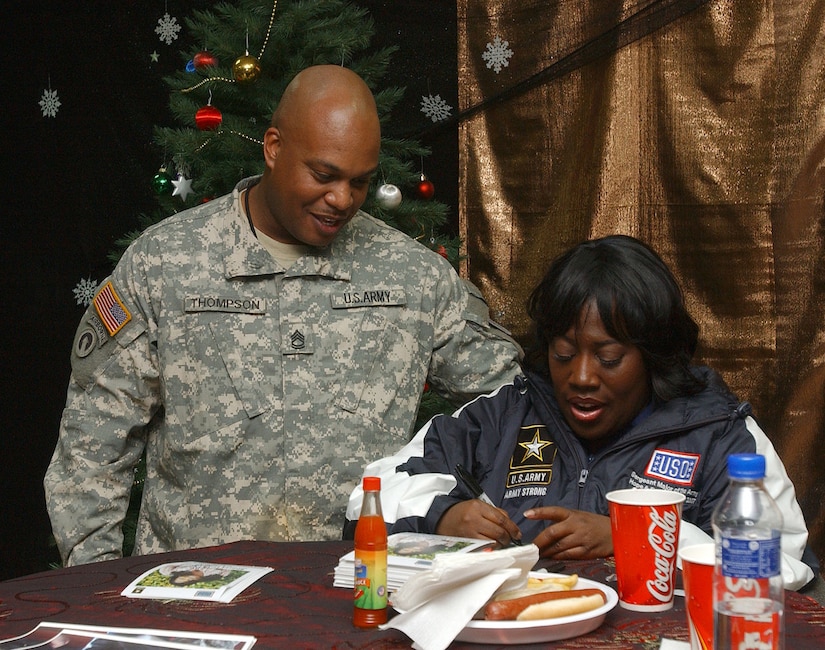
(262, 348)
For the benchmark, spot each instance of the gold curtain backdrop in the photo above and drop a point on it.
(698, 127)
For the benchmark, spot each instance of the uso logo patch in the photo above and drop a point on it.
(672, 466)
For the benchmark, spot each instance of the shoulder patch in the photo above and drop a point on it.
(113, 313)
(91, 336)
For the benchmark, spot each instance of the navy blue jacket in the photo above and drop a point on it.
(519, 447)
(529, 457)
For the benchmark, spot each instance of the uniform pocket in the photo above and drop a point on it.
(383, 375)
(221, 371)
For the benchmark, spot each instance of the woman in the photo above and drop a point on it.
(609, 400)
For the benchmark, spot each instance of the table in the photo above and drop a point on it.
(296, 605)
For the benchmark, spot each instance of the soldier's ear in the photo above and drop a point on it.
(272, 145)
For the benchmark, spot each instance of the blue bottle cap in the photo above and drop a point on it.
(746, 466)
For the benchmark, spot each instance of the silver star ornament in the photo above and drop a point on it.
(183, 187)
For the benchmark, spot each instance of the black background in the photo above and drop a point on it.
(76, 182)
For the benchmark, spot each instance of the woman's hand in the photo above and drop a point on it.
(572, 534)
(477, 519)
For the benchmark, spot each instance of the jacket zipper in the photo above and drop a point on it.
(741, 411)
(584, 472)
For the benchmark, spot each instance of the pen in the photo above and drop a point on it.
(476, 490)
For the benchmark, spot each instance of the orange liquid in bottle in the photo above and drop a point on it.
(371, 547)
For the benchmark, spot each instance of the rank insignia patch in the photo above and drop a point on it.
(111, 310)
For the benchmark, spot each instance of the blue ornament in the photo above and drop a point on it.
(190, 67)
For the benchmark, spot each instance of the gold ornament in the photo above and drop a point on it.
(246, 68)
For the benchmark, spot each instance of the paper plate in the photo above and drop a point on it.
(549, 629)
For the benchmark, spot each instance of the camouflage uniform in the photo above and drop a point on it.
(259, 394)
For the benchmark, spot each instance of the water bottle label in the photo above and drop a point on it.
(751, 558)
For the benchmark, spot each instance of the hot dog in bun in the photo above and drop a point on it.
(538, 601)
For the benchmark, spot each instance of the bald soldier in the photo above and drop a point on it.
(262, 349)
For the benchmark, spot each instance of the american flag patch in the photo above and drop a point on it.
(111, 310)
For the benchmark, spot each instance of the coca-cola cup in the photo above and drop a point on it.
(645, 527)
(697, 578)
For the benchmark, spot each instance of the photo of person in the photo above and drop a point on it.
(189, 574)
(425, 546)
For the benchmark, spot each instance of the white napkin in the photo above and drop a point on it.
(439, 602)
(671, 644)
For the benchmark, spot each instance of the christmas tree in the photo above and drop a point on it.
(222, 100)
(223, 97)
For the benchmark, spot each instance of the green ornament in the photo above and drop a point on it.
(162, 182)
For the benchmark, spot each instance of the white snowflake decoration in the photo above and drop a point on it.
(84, 291)
(167, 29)
(497, 55)
(435, 108)
(49, 103)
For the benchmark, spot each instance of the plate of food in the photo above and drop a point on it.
(549, 608)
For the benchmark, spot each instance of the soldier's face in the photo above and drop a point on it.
(320, 175)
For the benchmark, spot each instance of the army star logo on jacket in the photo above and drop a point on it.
(532, 461)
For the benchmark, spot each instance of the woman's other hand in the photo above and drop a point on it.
(572, 534)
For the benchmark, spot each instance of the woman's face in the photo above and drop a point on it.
(601, 384)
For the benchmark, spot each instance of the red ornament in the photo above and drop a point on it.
(204, 59)
(425, 189)
(441, 251)
(208, 118)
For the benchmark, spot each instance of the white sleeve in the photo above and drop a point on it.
(794, 531)
(402, 494)
(795, 573)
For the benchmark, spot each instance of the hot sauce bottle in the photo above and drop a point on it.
(370, 607)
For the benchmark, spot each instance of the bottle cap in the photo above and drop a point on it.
(746, 466)
(372, 483)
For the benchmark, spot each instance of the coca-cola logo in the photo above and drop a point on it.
(661, 535)
(744, 587)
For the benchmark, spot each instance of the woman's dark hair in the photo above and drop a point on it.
(638, 300)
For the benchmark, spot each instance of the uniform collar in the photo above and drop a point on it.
(245, 256)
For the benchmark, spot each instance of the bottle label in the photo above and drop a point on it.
(751, 558)
(371, 579)
(748, 624)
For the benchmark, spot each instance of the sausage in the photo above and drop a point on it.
(508, 610)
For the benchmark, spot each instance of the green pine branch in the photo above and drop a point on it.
(303, 33)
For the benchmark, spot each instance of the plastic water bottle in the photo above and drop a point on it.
(748, 594)
(370, 607)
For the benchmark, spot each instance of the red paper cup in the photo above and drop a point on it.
(645, 527)
(697, 577)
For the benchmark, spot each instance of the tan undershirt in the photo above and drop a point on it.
(284, 254)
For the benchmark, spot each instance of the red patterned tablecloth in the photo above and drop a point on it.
(296, 605)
